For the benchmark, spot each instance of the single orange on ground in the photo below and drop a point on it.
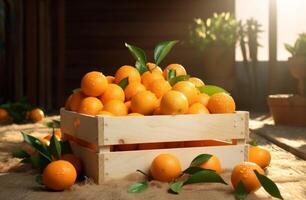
(4, 115)
(173, 103)
(110, 79)
(165, 168)
(93, 84)
(179, 69)
(203, 98)
(36, 115)
(116, 107)
(126, 147)
(144, 103)
(148, 77)
(196, 81)
(132, 89)
(213, 164)
(154, 68)
(221, 103)
(188, 89)
(127, 71)
(90, 106)
(112, 92)
(103, 112)
(147, 146)
(59, 175)
(74, 160)
(174, 144)
(159, 87)
(75, 101)
(260, 156)
(244, 172)
(197, 108)
(135, 114)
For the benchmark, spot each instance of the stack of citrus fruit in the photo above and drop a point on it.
(131, 93)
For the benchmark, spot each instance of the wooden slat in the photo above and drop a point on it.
(121, 164)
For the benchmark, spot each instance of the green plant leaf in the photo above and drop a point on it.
(240, 191)
(65, 146)
(38, 161)
(211, 89)
(175, 187)
(162, 49)
(36, 144)
(124, 82)
(193, 170)
(170, 74)
(20, 154)
(176, 79)
(140, 56)
(253, 143)
(138, 187)
(205, 176)
(55, 147)
(268, 185)
(39, 180)
(202, 158)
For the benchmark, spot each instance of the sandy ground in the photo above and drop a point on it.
(17, 181)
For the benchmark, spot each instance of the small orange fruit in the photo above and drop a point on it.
(154, 68)
(116, 107)
(59, 175)
(196, 81)
(189, 90)
(260, 156)
(67, 102)
(173, 103)
(36, 115)
(135, 114)
(203, 98)
(58, 133)
(244, 172)
(103, 112)
(213, 164)
(197, 108)
(46, 140)
(132, 89)
(165, 168)
(144, 103)
(148, 77)
(74, 160)
(75, 101)
(221, 103)
(93, 84)
(90, 106)
(110, 79)
(128, 105)
(4, 115)
(126, 147)
(127, 71)
(148, 146)
(112, 92)
(179, 69)
(159, 87)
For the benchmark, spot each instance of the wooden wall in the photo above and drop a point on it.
(96, 32)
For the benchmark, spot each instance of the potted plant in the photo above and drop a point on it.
(215, 38)
(291, 109)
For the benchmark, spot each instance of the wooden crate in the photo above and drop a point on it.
(106, 131)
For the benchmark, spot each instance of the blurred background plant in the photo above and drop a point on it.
(299, 47)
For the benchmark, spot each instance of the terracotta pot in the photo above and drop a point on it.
(288, 109)
(297, 68)
(219, 68)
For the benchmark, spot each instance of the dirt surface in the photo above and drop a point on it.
(18, 181)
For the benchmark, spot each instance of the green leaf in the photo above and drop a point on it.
(20, 154)
(124, 82)
(240, 191)
(268, 185)
(140, 56)
(55, 147)
(53, 124)
(205, 176)
(202, 158)
(39, 179)
(26, 160)
(253, 143)
(176, 186)
(138, 187)
(65, 146)
(211, 89)
(171, 74)
(193, 170)
(39, 162)
(162, 49)
(36, 144)
(176, 79)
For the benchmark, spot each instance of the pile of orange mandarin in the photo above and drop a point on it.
(133, 94)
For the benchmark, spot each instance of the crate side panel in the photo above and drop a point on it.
(129, 130)
(121, 164)
(81, 126)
